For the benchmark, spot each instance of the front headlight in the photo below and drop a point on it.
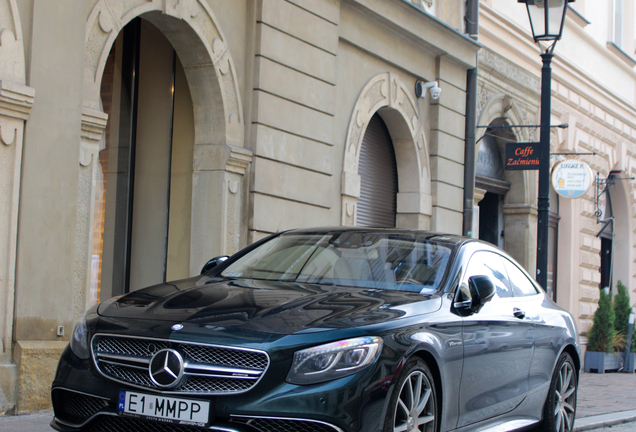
(334, 360)
(79, 339)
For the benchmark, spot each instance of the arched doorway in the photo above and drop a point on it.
(616, 239)
(144, 182)
(388, 99)
(377, 203)
(217, 163)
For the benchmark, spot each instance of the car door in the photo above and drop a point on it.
(548, 326)
(498, 347)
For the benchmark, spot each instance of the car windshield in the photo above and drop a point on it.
(366, 260)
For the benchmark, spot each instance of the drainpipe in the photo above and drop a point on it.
(472, 28)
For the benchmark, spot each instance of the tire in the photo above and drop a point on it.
(560, 406)
(403, 415)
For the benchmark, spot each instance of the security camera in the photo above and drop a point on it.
(421, 86)
(435, 92)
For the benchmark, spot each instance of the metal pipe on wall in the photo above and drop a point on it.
(472, 29)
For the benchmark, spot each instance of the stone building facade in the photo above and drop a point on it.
(140, 138)
(593, 90)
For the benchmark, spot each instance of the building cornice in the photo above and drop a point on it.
(414, 24)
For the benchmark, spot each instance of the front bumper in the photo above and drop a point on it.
(85, 400)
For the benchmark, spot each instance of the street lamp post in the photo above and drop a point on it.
(547, 18)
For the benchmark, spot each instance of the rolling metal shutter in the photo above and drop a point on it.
(378, 172)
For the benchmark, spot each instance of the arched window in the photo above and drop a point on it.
(378, 177)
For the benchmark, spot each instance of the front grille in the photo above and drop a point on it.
(221, 356)
(76, 408)
(123, 424)
(208, 369)
(286, 425)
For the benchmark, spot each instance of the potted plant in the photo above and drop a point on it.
(600, 355)
(622, 311)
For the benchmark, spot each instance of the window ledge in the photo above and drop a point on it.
(577, 17)
(631, 61)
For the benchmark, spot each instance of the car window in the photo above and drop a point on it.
(368, 260)
(490, 264)
(521, 285)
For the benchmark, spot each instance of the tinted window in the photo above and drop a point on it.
(521, 285)
(356, 259)
(490, 264)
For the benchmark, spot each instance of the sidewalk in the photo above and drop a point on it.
(603, 400)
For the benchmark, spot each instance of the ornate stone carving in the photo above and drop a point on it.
(507, 71)
(385, 91)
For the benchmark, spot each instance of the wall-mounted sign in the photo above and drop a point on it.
(571, 178)
(522, 156)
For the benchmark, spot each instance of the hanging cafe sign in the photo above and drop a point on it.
(522, 156)
(571, 178)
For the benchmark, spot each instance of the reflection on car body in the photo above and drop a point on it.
(335, 329)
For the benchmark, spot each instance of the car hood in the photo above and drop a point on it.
(274, 307)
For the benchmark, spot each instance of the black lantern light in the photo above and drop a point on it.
(546, 18)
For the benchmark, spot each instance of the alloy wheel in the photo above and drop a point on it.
(415, 408)
(565, 398)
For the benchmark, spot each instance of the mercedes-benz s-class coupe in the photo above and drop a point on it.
(328, 330)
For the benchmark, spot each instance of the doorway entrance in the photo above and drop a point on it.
(491, 179)
(143, 200)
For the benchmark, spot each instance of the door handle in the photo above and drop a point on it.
(518, 313)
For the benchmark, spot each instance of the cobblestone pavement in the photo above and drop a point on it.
(599, 394)
(605, 393)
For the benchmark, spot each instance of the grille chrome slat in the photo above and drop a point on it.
(209, 369)
(193, 368)
(123, 359)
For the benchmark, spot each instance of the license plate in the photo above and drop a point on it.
(162, 408)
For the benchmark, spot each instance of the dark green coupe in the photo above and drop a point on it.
(327, 330)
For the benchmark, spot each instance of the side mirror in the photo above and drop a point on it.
(213, 263)
(482, 290)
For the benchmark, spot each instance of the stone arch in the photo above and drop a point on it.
(219, 162)
(502, 106)
(623, 239)
(198, 39)
(387, 95)
(520, 212)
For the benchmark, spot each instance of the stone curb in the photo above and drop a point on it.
(604, 420)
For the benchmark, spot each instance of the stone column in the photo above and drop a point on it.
(16, 101)
(217, 201)
(93, 125)
(520, 230)
(350, 189)
(414, 210)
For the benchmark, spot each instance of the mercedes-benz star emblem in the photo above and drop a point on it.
(166, 368)
(177, 327)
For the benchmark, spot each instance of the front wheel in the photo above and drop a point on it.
(560, 407)
(413, 406)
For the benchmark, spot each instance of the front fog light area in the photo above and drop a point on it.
(79, 339)
(334, 360)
